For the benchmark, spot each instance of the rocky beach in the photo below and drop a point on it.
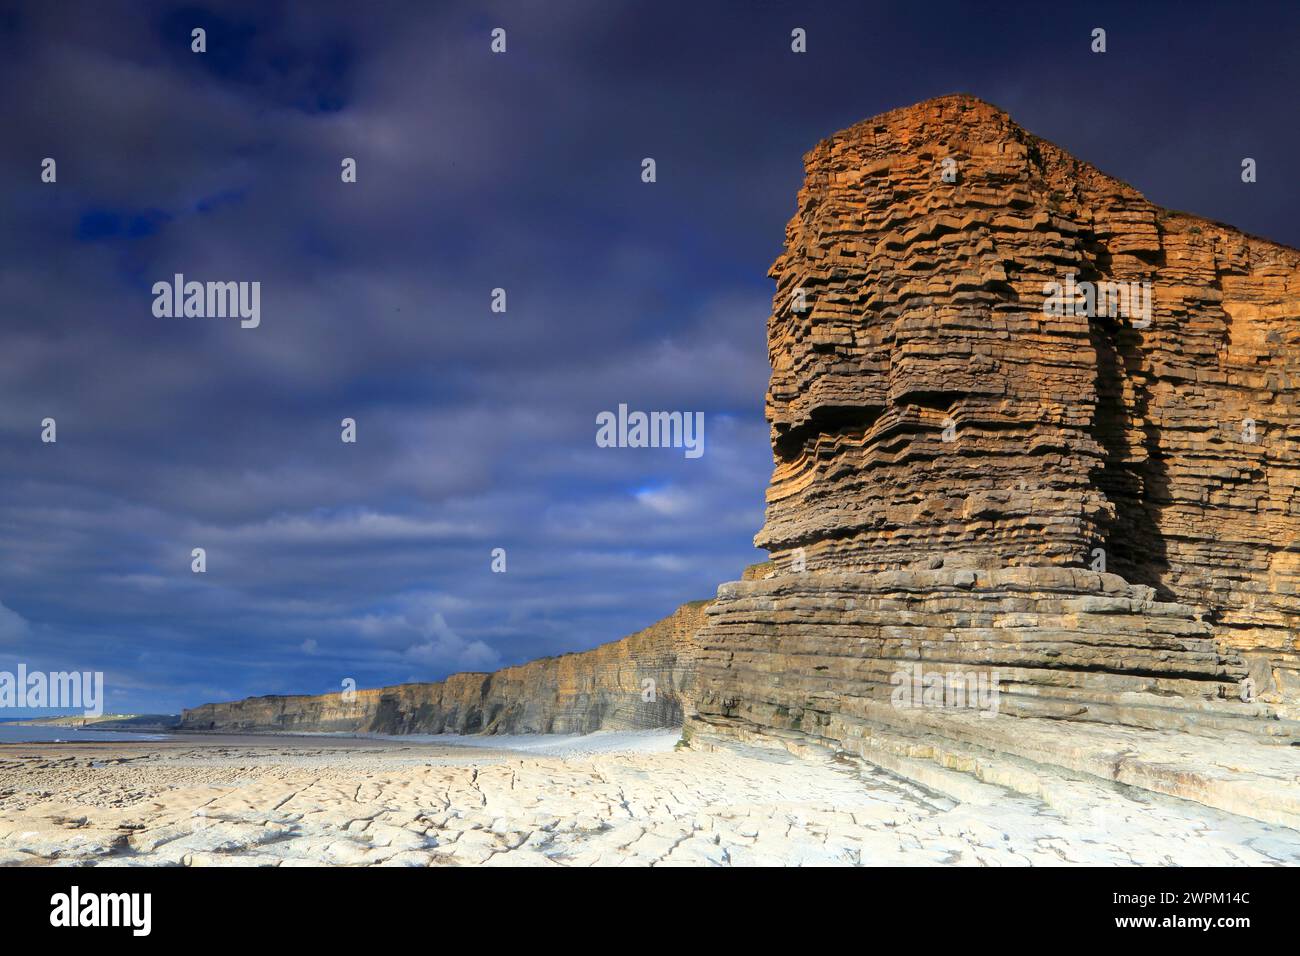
(633, 799)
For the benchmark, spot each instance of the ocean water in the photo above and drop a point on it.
(32, 735)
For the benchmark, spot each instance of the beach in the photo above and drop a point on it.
(617, 798)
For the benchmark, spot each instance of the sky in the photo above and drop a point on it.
(522, 170)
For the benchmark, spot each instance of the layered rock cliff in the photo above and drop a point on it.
(636, 683)
(1034, 447)
(926, 410)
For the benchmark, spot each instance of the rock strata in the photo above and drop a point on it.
(1083, 499)
(639, 682)
(1061, 642)
(926, 411)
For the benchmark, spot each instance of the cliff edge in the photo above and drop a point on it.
(639, 682)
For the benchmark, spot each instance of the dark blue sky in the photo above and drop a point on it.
(476, 171)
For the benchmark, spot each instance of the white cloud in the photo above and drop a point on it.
(671, 500)
(13, 626)
(345, 527)
(419, 633)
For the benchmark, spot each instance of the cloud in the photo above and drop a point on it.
(667, 501)
(475, 430)
(13, 626)
(419, 634)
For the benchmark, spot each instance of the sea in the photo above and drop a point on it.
(33, 735)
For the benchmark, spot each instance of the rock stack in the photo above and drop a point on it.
(990, 456)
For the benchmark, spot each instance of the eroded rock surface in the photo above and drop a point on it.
(309, 803)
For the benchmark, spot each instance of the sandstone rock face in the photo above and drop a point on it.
(803, 651)
(926, 413)
(639, 682)
(1011, 536)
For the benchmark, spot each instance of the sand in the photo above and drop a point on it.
(603, 799)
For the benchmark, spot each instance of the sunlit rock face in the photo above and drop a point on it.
(987, 354)
(637, 683)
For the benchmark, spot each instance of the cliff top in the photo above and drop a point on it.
(910, 123)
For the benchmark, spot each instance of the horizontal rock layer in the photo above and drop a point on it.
(635, 683)
(789, 651)
(1093, 676)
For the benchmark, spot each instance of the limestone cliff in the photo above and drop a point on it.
(1085, 499)
(1166, 443)
(638, 682)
